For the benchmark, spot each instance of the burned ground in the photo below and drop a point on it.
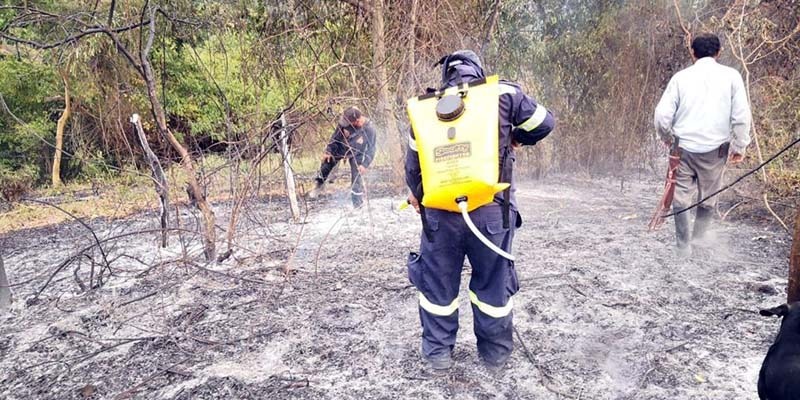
(605, 311)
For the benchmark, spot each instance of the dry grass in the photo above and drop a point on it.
(132, 192)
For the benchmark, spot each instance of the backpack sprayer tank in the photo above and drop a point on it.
(456, 135)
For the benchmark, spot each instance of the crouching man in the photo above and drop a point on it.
(353, 139)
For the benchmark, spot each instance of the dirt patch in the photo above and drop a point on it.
(604, 311)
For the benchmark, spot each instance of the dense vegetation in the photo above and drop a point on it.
(224, 71)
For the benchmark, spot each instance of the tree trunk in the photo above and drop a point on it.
(385, 107)
(60, 126)
(159, 178)
(194, 188)
(794, 262)
(490, 29)
(286, 156)
(411, 49)
(5, 289)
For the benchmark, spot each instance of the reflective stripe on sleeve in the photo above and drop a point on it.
(441, 311)
(536, 119)
(412, 144)
(507, 89)
(492, 311)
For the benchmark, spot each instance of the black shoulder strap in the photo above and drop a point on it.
(425, 227)
(506, 178)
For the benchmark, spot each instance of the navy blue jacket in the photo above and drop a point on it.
(360, 144)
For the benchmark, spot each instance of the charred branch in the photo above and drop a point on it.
(80, 221)
(72, 38)
(186, 159)
(159, 178)
(111, 9)
(794, 262)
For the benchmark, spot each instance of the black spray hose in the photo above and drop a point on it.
(726, 187)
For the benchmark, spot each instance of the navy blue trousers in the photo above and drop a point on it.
(436, 273)
(357, 181)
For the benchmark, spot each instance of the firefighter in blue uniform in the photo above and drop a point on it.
(446, 239)
(353, 139)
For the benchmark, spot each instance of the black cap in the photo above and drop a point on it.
(349, 117)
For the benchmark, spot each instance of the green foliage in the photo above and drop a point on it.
(91, 164)
(26, 86)
(224, 69)
(206, 82)
(222, 73)
(15, 183)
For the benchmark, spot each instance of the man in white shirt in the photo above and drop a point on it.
(705, 109)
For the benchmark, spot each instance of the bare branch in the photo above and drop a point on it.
(688, 37)
(362, 6)
(175, 19)
(110, 22)
(72, 38)
(30, 10)
(85, 225)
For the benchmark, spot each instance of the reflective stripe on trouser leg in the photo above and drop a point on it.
(437, 310)
(357, 183)
(437, 275)
(439, 326)
(490, 310)
(492, 285)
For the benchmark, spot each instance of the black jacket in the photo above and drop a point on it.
(356, 142)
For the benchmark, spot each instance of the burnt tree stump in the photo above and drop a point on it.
(794, 262)
(159, 178)
(5, 288)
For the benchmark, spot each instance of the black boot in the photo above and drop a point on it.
(440, 363)
(358, 201)
(682, 233)
(701, 223)
(319, 184)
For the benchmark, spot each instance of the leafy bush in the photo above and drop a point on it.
(16, 183)
(25, 87)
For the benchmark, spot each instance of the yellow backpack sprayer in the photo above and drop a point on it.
(456, 136)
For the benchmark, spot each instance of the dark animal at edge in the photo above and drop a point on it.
(779, 378)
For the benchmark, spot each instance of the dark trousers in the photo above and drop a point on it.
(436, 273)
(698, 175)
(357, 181)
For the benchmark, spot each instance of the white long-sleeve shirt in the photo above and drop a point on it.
(705, 105)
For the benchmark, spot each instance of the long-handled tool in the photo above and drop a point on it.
(669, 187)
